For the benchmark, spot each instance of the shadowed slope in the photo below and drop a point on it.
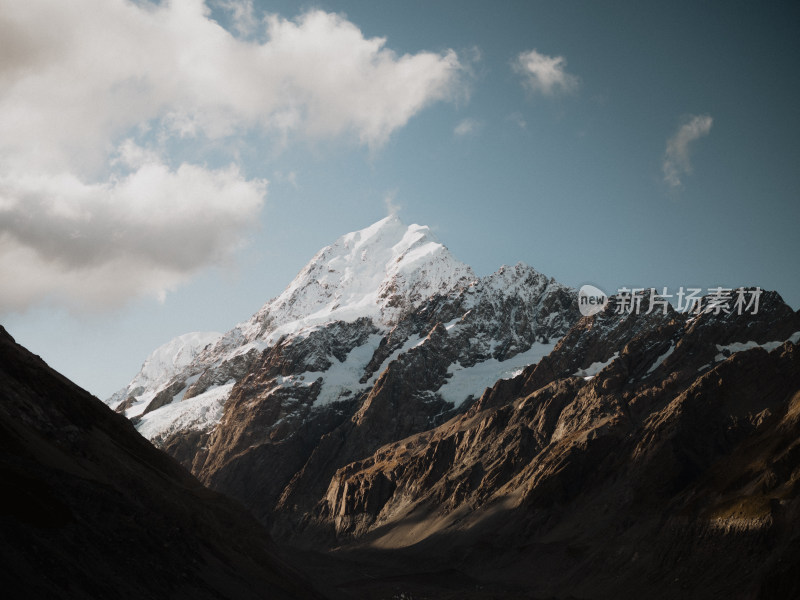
(91, 510)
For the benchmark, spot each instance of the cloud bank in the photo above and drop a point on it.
(677, 162)
(544, 74)
(93, 93)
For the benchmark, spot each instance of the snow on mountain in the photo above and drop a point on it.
(728, 349)
(470, 382)
(382, 272)
(377, 272)
(173, 356)
(163, 364)
(200, 413)
(593, 369)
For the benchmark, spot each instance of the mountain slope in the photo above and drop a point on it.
(672, 470)
(91, 510)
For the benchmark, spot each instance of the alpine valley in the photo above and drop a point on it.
(408, 429)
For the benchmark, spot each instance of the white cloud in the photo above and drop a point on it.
(75, 74)
(544, 74)
(390, 201)
(93, 89)
(95, 245)
(466, 127)
(676, 157)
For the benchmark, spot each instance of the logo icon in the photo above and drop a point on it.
(591, 300)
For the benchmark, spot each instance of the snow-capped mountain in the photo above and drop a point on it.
(375, 278)
(387, 300)
(380, 272)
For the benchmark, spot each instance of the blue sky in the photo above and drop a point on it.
(208, 151)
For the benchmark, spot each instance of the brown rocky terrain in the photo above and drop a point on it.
(664, 475)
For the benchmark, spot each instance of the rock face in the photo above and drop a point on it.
(91, 510)
(652, 455)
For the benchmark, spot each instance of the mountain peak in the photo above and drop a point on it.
(379, 272)
(387, 226)
(388, 234)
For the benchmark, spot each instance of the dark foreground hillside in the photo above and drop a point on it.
(89, 509)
